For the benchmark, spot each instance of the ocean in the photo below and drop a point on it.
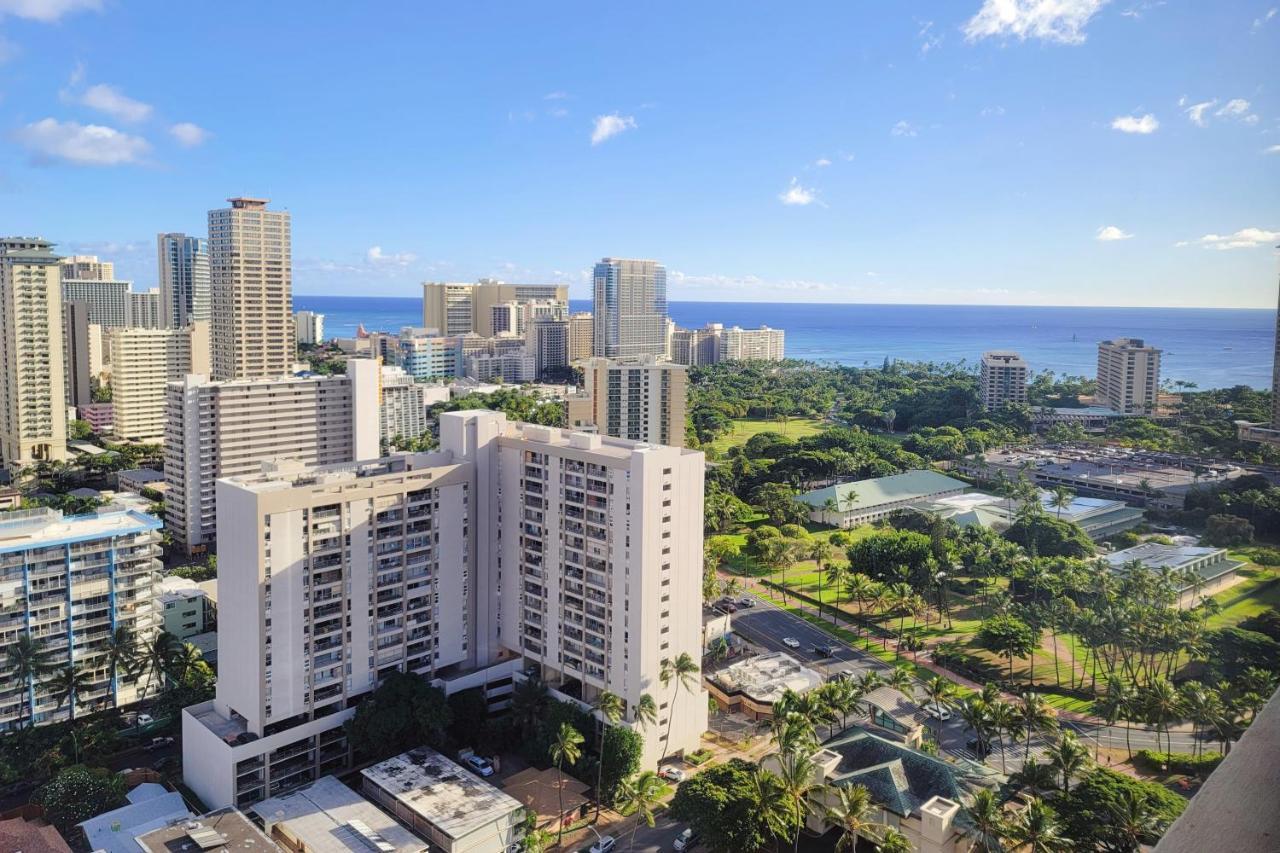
(1210, 347)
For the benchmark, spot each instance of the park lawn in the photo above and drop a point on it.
(1259, 591)
(744, 428)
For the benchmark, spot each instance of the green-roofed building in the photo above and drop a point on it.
(864, 501)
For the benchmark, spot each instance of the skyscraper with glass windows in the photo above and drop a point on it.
(184, 278)
(630, 310)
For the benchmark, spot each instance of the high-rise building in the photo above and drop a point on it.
(403, 408)
(226, 429)
(431, 357)
(692, 347)
(507, 317)
(144, 362)
(1268, 433)
(184, 278)
(547, 340)
(1002, 379)
(1128, 376)
(146, 310)
(762, 344)
(33, 423)
(511, 366)
(515, 549)
(77, 355)
(642, 399)
(75, 580)
(581, 336)
(629, 308)
(87, 268)
(453, 308)
(108, 301)
(309, 327)
(251, 286)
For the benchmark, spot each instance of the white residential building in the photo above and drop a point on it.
(403, 406)
(146, 310)
(629, 308)
(70, 582)
(1128, 376)
(108, 301)
(641, 398)
(224, 429)
(184, 278)
(1002, 379)
(511, 366)
(515, 548)
(144, 362)
(762, 344)
(310, 327)
(88, 268)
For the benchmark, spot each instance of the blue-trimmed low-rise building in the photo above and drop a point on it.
(70, 582)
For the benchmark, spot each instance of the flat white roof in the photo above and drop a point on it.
(439, 791)
(766, 677)
(328, 817)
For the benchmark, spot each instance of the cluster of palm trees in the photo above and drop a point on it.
(162, 659)
(993, 719)
(878, 600)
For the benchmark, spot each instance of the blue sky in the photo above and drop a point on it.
(967, 151)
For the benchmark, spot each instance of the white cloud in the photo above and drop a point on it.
(988, 112)
(82, 144)
(1245, 238)
(610, 126)
(189, 135)
(557, 112)
(1234, 108)
(113, 102)
(1274, 149)
(928, 39)
(1261, 22)
(47, 11)
(375, 255)
(795, 194)
(1196, 112)
(1111, 233)
(1135, 124)
(902, 128)
(822, 162)
(555, 96)
(1061, 21)
(1137, 11)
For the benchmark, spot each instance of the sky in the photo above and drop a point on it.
(1051, 152)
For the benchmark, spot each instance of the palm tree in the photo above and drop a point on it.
(683, 671)
(1038, 829)
(608, 707)
(838, 578)
(900, 679)
(1120, 702)
(1036, 716)
(820, 552)
(977, 718)
(987, 817)
(851, 815)
(68, 683)
(770, 799)
(1135, 821)
(893, 841)
(529, 704)
(939, 691)
(27, 660)
(1068, 756)
(1163, 706)
(646, 711)
(156, 659)
(798, 774)
(122, 656)
(565, 749)
(1060, 499)
(640, 794)
(1203, 705)
(1005, 720)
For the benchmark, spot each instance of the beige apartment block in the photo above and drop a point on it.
(88, 268)
(227, 429)
(641, 398)
(581, 336)
(454, 308)
(1002, 379)
(762, 344)
(1128, 376)
(33, 421)
(144, 362)
(251, 288)
(629, 308)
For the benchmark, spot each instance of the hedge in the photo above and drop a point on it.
(1178, 762)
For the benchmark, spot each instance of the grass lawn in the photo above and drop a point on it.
(744, 428)
(1259, 591)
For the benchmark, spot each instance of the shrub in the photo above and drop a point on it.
(1178, 762)
(1227, 531)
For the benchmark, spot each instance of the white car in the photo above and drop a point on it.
(480, 764)
(685, 841)
(791, 642)
(937, 712)
(673, 774)
(606, 844)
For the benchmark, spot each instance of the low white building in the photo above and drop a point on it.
(457, 811)
(850, 504)
(328, 817)
(1197, 571)
(185, 609)
(751, 686)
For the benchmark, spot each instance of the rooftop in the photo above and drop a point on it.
(328, 817)
(766, 677)
(30, 837)
(224, 830)
(33, 528)
(540, 791)
(441, 792)
(900, 779)
(142, 475)
(864, 494)
(150, 807)
(896, 704)
(1155, 556)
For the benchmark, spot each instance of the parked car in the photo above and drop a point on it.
(168, 764)
(672, 773)
(937, 712)
(606, 844)
(746, 601)
(480, 764)
(791, 642)
(686, 840)
(824, 650)
(728, 607)
(158, 743)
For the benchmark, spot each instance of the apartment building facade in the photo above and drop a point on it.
(641, 399)
(146, 310)
(88, 268)
(403, 405)
(762, 344)
(33, 421)
(431, 357)
(1002, 379)
(144, 362)
(581, 336)
(226, 429)
(454, 308)
(108, 301)
(629, 308)
(1128, 376)
(309, 327)
(251, 290)
(183, 262)
(71, 581)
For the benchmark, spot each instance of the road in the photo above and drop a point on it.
(767, 624)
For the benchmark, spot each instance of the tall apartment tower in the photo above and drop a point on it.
(144, 362)
(762, 344)
(77, 579)
(88, 268)
(1128, 376)
(547, 340)
(1002, 379)
(108, 301)
(228, 429)
(251, 286)
(309, 327)
(184, 278)
(581, 336)
(629, 308)
(33, 423)
(77, 355)
(641, 399)
(455, 309)
(146, 310)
